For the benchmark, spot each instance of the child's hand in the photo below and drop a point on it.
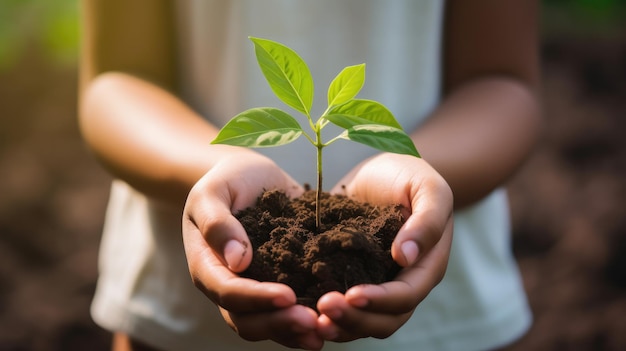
(217, 247)
(422, 246)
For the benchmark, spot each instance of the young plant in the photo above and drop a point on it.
(364, 121)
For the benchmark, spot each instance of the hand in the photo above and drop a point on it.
(421, 246)
(217, 247)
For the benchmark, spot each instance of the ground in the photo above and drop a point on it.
(567, 205)
(569, 202)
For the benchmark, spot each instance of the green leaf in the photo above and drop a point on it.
(381, 137)
(259, 127)
(362, 112)
(346, 85)
(347, 121)
(287, 74)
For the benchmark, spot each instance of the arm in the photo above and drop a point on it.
(129, 116)
(477, 138)
(489, 119)
(143, 134)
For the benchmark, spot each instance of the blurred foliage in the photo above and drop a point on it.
(584, 17)
(596, 9)
(49, 25)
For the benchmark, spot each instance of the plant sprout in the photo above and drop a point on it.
(364, 121)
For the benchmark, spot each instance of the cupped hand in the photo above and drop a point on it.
(217, 247)
(421, 246)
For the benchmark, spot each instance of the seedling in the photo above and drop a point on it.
(364, 121)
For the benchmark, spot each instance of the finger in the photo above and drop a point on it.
(212, 202)
(431, 212)
(339, 321)
(208, 212)
(360, 325)
(293, 327)
(224, 287)
(394, 297)
(411, 285)
(221, 232)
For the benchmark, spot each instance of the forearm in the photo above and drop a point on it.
(480, 135)
(145, 136)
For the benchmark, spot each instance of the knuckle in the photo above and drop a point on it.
(207, 223)
(430, 235)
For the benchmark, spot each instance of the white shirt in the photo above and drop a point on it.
(144, 288)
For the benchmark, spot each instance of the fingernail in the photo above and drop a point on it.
(234, 252)
(409, 251)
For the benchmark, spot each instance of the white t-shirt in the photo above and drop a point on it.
(144, 287)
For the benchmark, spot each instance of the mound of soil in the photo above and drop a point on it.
(351, 247)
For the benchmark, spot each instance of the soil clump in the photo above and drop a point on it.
(351, 247)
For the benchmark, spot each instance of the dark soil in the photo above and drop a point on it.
(351, 247)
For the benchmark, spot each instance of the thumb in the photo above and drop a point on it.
(228, 239)
(237, 255)
(431, 214)
(208, 224)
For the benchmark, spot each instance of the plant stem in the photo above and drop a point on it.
(318, 193)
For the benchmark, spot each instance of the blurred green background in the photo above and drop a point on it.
(567, 203)
(53, 26)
